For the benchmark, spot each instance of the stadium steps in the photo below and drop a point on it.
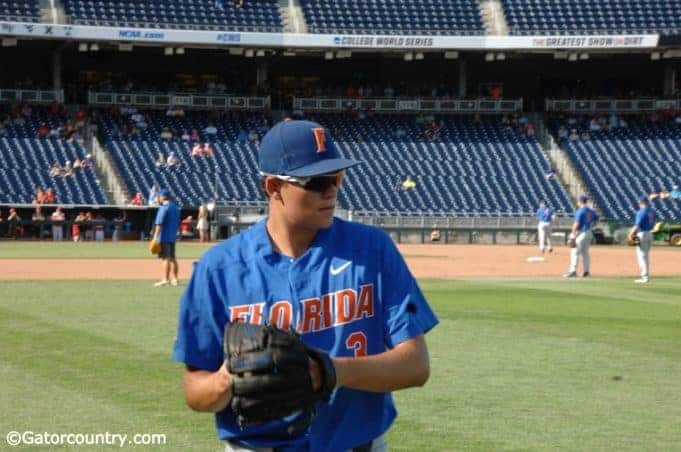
(114, 187)
(493, 17)
(292, 16)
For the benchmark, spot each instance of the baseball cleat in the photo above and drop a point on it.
(641, 281)
(174, 282)
(586, 275)
(570, 275)
(164, 282)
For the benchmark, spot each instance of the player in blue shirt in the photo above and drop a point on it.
(343, 286)
(165, 231)
(544, 216)
(581, 232)
(643, 225)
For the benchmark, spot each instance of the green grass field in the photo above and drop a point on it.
(516, 365)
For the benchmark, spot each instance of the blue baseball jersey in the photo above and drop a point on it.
(351, 294)
(675, 194)
(645, 219)
(585, 218)
(168, 216)
(544, 214)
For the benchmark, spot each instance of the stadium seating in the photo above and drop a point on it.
(261, 15)
(20, 10)
(592, 17)
(471, 169)
(26, 162)
(420, 17)
(622, 165)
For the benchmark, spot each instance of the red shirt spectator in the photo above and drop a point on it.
(137, 200)
(50, 197)
(186, 227)
(42, 131)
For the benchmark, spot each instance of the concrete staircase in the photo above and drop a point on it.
(112, 182)
(493, 17)
(292, 16)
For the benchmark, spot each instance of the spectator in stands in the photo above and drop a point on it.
(67, 169)
(408, 184)
(50, 196)
(574, 136)
(242, 137)
(14, 229)
(39, 196)
(185, 136)
(585, 136)
(42, 131)
(87, 162)
(202, 224)
(57, 219)
(153, 195)
(172, 160)
(253, 136)
(137, 200)
(197, 150)
(675, 193)
(210, 130)
(55, 132)
(195, 135)
(207, 150)
(594, 125)
(77, 164)
(166, 134)
(26, 110)
(562, 133)
(55, 170)
(160, 160)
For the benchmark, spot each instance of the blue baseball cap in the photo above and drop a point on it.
(583, 198)
(301, 149)
(643, 199)
(164, 192)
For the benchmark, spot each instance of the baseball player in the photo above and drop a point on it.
(165, 231)
(342, 286)
(545, 217)
(580, 238)
(643, 224)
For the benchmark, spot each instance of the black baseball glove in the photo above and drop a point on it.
(270, 373)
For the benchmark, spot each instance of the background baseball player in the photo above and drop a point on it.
(545, 217)
(165, 231)
(580, 238)
(643, 224)
(343, 286)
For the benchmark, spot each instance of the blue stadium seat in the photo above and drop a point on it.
(588, 17)
(261, 15)
(420, 17)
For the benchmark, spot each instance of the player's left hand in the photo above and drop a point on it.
(273, 373)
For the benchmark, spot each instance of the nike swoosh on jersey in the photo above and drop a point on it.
(337, 271)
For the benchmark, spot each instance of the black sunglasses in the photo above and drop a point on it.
(318, 184)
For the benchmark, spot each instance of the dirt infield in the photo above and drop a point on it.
(425, 261)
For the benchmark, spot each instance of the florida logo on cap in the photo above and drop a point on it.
(320, 138)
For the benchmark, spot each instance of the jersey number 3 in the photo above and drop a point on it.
(357, 341)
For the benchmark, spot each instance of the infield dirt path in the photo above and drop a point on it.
(425, 261)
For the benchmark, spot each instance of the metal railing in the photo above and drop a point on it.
(611, 105)
(33, 96)
(195, 101)
(395, 104)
